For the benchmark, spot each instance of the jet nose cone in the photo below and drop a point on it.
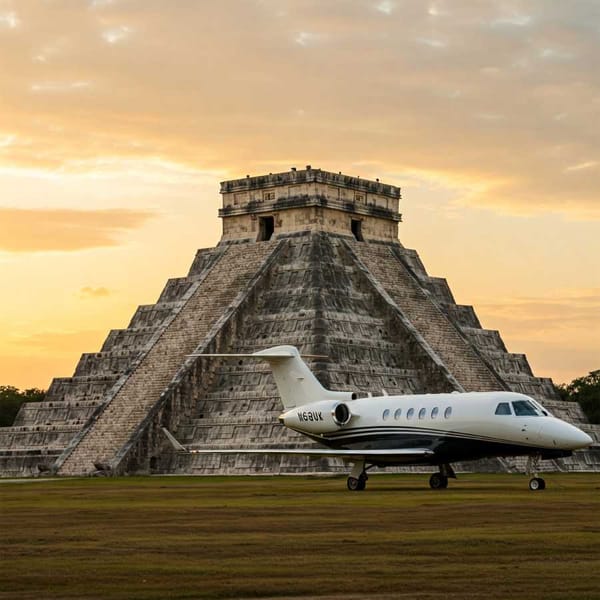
(575, 438)
(558, 434)
(584, 440)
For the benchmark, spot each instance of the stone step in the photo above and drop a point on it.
(54, 413)
(112, 362)
(134, 338)
(27, 462)
(81, 388)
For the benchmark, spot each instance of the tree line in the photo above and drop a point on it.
(586, 391)
(11, 399)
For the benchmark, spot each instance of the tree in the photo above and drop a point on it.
(11, 399)
(586, 391)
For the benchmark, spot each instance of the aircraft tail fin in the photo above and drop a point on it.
(295, 382)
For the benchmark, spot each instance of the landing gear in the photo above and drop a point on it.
(438, 482)
(535, 483)
(357, 481)
(357, 484)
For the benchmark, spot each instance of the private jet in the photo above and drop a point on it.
(421, 429)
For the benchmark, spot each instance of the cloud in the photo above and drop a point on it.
(588, 164)
(42, 230)
(59, 86)
(9, 20)
(92, 292)
(535, 317)
(34, 360)
(61, 342)
(116, 35)
(471, 98)
(559, 332)
(386, 7)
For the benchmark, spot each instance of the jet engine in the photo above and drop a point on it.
(318, 417)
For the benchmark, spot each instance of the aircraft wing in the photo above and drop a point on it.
(400, 454)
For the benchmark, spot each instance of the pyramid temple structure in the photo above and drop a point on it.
(308, 258)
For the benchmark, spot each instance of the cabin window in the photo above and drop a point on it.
(524, 408)
(410, 413)
(422, 413)
(447, 412)
(503, 409)
(386, 414)
(434, 412)
(398, 413)
(266, 227)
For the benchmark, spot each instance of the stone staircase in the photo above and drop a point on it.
(203, 303)
(438, 331)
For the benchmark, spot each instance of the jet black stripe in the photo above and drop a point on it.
(370, 432)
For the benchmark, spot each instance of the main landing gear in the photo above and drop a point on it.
(439, 481)
(535, 483)
(357, 481)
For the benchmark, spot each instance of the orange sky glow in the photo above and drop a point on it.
(119, 118)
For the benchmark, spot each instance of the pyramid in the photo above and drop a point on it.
(308, 258)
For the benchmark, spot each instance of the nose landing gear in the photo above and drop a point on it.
(535, 483)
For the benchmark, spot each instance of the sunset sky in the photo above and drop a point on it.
(118, 119)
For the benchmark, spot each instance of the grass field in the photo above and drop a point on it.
(487, 536)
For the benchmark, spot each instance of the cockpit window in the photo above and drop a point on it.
(524, 408)
(503, 409)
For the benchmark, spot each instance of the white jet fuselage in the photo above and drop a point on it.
(453, 426)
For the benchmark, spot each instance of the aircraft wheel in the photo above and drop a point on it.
(354, 484)
(537, 483)
(438, 482)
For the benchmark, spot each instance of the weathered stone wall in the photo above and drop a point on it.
(309, 218)
(239, 193)
(309, 200)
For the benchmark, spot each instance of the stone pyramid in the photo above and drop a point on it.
(308, 258)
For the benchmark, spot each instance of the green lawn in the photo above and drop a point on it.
(487, 536)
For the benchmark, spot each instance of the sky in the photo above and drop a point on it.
(119, 118)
